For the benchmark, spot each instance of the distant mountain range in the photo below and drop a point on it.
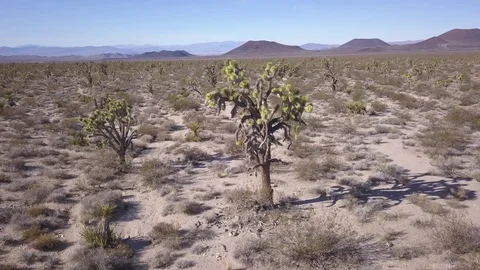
(456, 39)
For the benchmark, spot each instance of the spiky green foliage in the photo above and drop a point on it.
(264, 110)
(112, 120)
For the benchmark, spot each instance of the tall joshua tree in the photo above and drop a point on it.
(263, 110)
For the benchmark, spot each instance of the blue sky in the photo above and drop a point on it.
(166, 22)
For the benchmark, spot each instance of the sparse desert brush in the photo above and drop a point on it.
(192, 154)
(427, 204)
(182, 102)
(232, 147)
(46, 242)
(443, 139)
(163, 231)
(308, 170)
(156, 173)
(164, 259)
(150, 130)
(190, 208)
(463, 117)
(92, 205)
(356, 107)
(99, 258)
(379, 106)
(448, 166)
(323, 243)
(456, 234)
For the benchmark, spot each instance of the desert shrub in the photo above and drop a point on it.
(427, 204)
(10, 266)
(164, 259)
(156, 173)
(232, 147)
(356, 107)
(162, 231)
(100, 259)
(35, 211)
(192, 154)
(443, 139)
(463, 117)
(357, 94)
(5, 178)
(14, 165)
(308, 170)
(190, 208)
(182, 103)
(37, 193)
(32, 233)
(456, 234)
(148, 130)
(91, 206)
(378, 106)
(5, 215)
(46, 242)
(317, 244)
(184, 264)
(448, 166)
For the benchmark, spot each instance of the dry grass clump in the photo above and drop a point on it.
(99, 258)
(379, 106)
(408, 253)
(46, 242)
(37, 193)
(456, 234)
(156, 173)
(190, 208)
(427, 204)
(325, 243)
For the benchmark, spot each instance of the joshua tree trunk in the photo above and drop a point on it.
(267, 190)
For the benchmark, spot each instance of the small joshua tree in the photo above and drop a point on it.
(211, 73)
(111, 120)
(330, 73)
(264, 111)
(87, 71)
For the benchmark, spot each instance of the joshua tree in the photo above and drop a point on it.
(112, 120)
(264, 111)
(211, 73)
(87, 71)
(330, 73)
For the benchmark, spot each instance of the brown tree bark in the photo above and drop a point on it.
(267, 190)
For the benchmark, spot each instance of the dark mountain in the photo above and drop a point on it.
(363, 43)
(165, 54)
(264, 48)
(461, 35)
(431, 43)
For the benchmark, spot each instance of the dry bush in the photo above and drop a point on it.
(325, 243)
(164, 259)
(378, 106)
(308, 170)
(46, 242)
(448, 166)
(162, 231)
(192, 154)
(408, 253)
(463, 117)
(232, 148)
(184, 264)
(456, 234)
(245, 198)
(100, 259)
(190, 208)
(470, 261)
(149, 130)
(441, 139)
(36, 193)
(365, 212)
(427, 204)
(14, 165)
(156, 173)
(91, 205)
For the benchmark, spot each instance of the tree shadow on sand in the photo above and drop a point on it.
(435, 189)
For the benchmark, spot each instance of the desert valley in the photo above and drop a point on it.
(266, 156)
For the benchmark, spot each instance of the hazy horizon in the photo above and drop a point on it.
(109, 23)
